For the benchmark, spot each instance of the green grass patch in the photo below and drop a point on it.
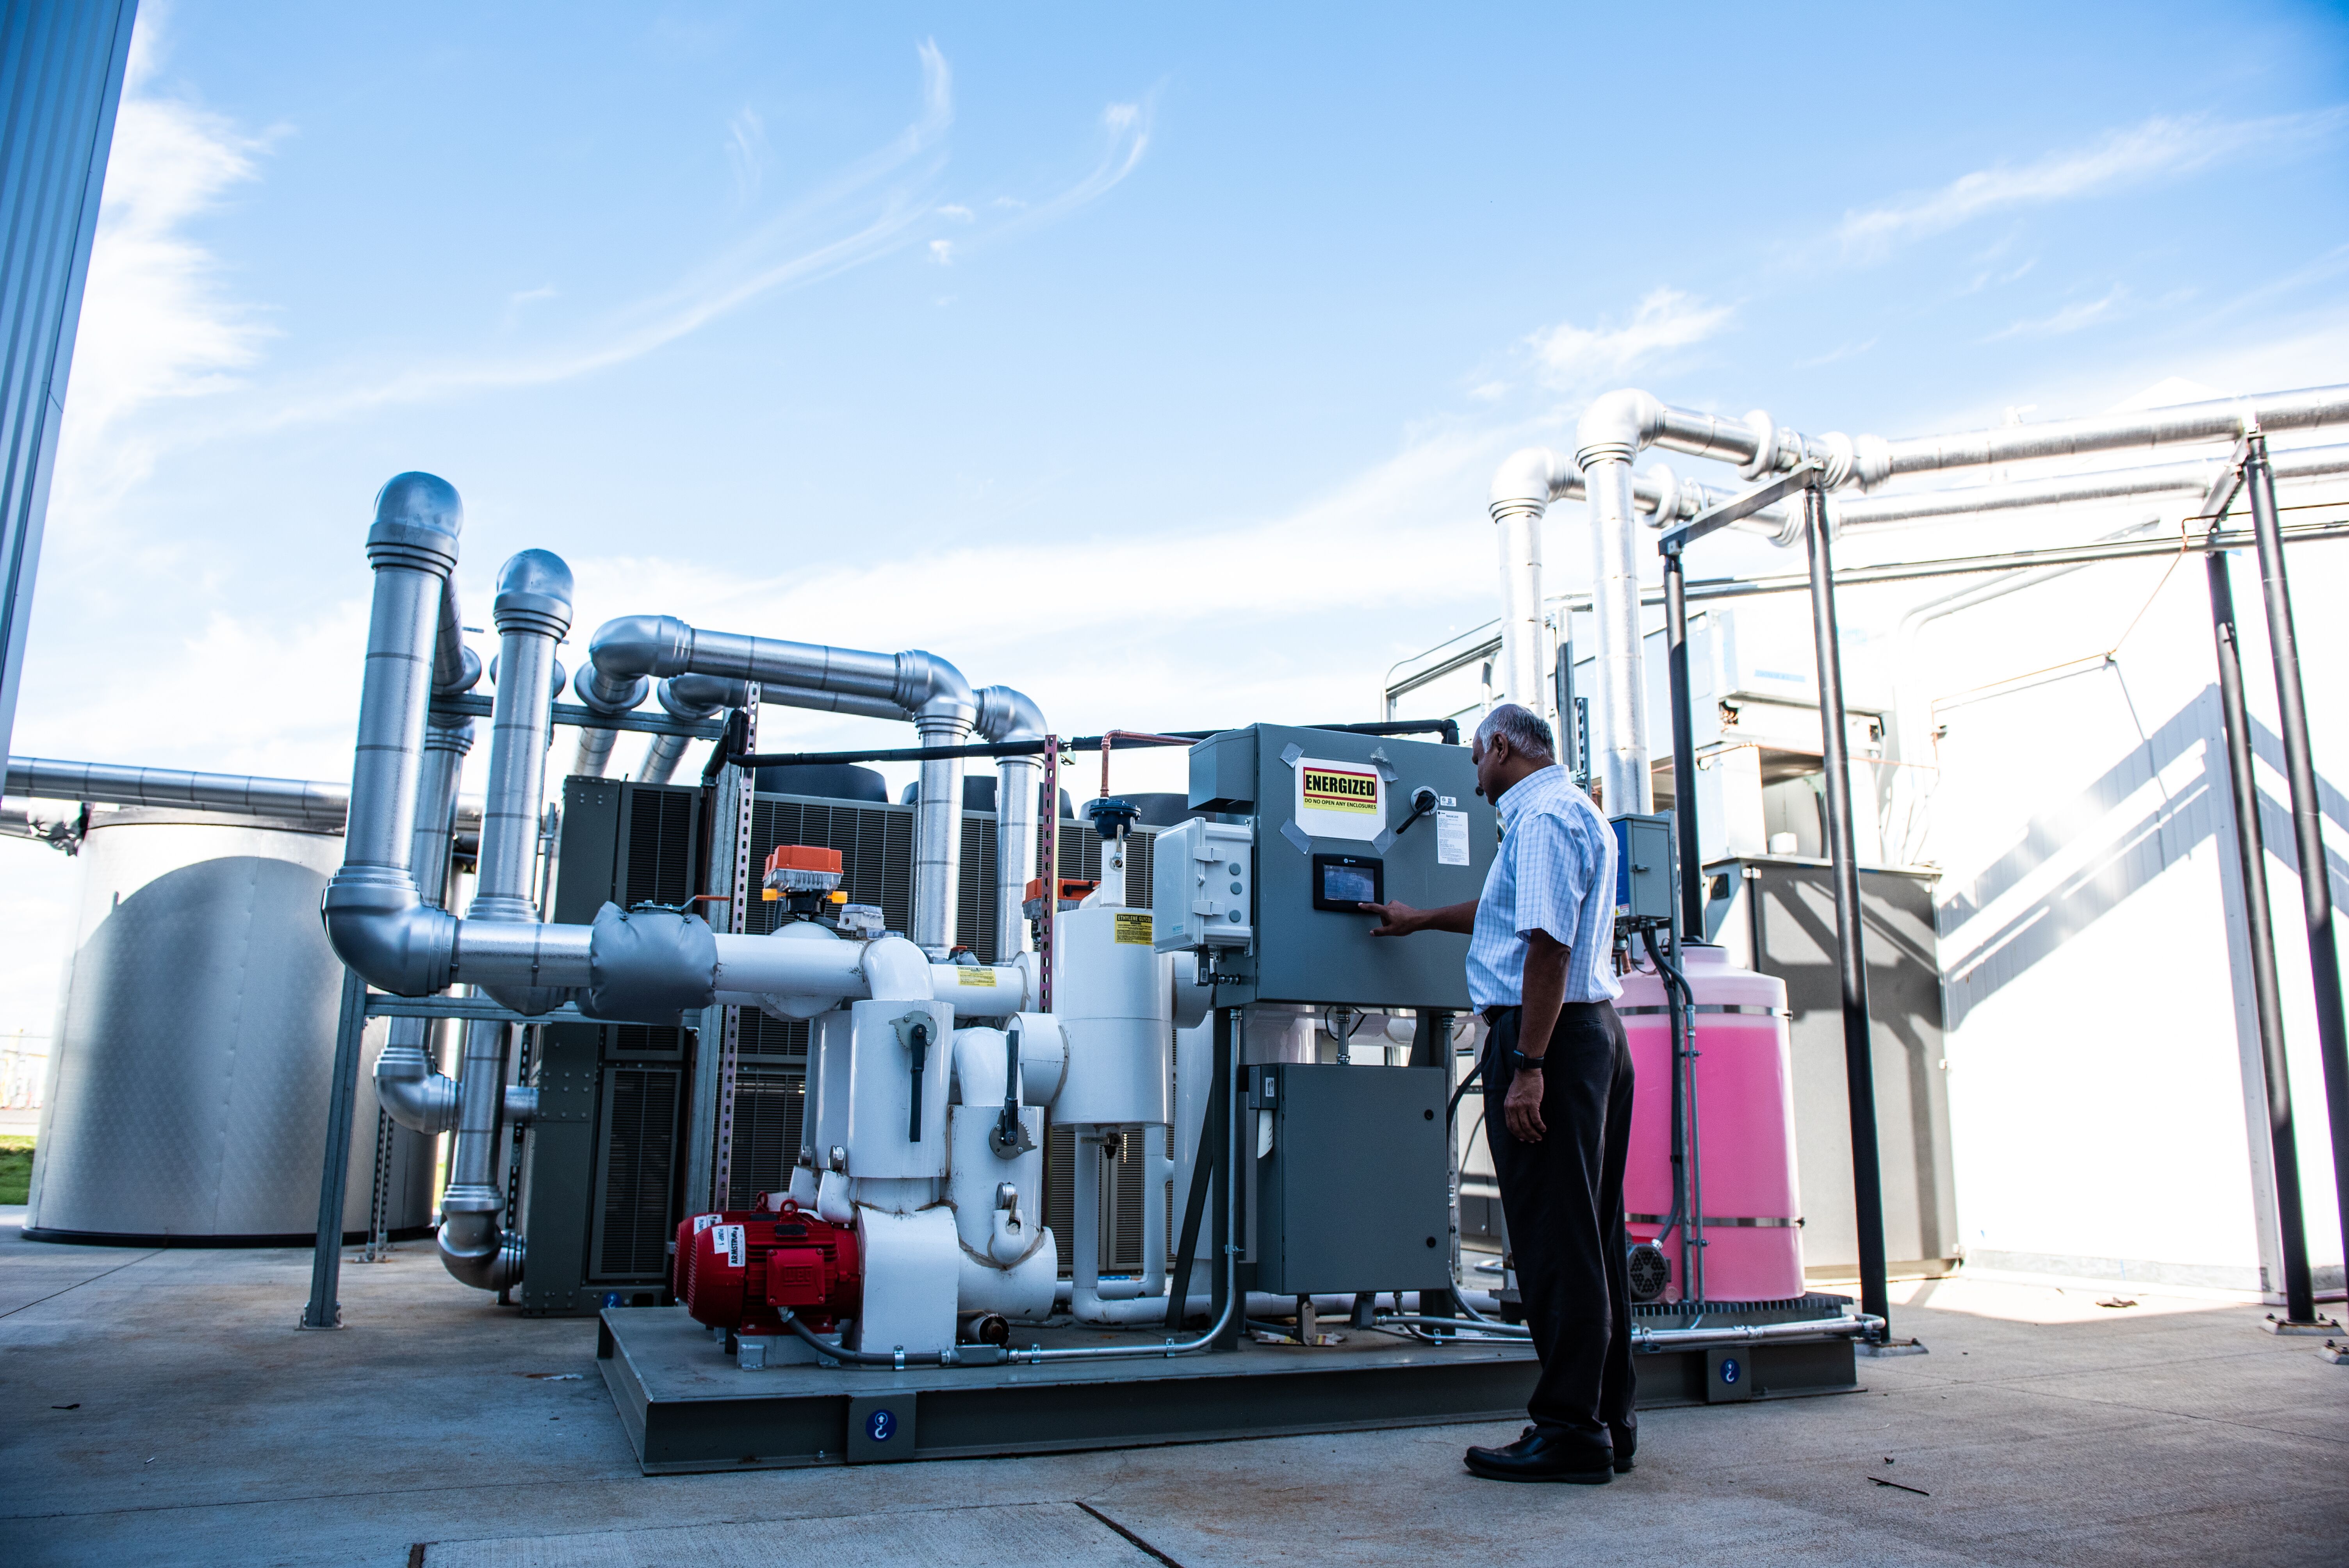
(15, 1168)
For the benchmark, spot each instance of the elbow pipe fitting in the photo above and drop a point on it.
(411, 1091)
(1618, 425)
(469, 674)
(695, 697)
(476, 1251)
(387, 935)
(609, 696)
(896, 971)
(930, 687)
(1005, 715)
(1530, 478)
(642, 645)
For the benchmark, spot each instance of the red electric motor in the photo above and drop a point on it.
(739, 1270)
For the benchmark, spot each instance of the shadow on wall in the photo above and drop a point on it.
(2197, 810)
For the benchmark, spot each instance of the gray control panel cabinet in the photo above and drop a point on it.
(1304, 953)
(1350, 1196)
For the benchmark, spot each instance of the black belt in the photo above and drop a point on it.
(1578, 1012)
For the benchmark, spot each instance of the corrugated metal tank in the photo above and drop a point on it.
(195, 1048)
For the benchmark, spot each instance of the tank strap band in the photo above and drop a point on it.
(1710, 1220)
(1714, 1007)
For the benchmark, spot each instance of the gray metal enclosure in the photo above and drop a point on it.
(1776, 916)
(188, 1094)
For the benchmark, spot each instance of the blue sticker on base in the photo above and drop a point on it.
(1730, 1373)
(882, 1425)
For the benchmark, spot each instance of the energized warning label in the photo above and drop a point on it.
(1339, 801)
(1328, 789)
(1133, 930)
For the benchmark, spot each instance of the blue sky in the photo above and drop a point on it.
(1156, 365)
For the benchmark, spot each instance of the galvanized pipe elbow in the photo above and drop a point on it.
(1005, 715)
(1530, 478)
(390, 939)
(634, 646)
(928, 687)
(476, 1251)
(691, 698)
(1617, 426)
(411, 1091)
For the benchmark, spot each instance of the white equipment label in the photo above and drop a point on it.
(728, 1239)
(1340, 799)
(1451, 837)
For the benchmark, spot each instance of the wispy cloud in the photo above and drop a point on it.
(745, 152)
(2071, 318)
(1666, 319)
(886, 196)
(2159, 147)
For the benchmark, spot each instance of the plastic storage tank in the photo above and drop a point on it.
(195, 1045)
(1746, 1127)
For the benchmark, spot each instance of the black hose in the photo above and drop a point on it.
(1675, 982)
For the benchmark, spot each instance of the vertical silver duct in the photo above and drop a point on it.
(1621, 768)
(691, 698)
(532, 613)
(409, 1083)
(1005, 715)
(373, 916)
(943, 721)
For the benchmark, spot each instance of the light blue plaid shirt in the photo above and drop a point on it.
(1555, 872)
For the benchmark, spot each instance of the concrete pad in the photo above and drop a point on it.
(212, 1430)
(1063, 1534)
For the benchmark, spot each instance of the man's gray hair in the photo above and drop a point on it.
(1527, 731)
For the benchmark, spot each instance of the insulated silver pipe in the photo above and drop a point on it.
(691, 698)
(609, 697)
(374, 918)
(299, 801)
(833, 702)
(2221, 420)
(1005, 715)
(409, 1083)
(532, 611)
(917, 682)
(2113, 484)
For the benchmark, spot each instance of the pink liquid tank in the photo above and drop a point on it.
(1745, 1115)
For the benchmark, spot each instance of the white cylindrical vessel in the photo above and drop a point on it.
(1112, 998)
(886, 1139)
(196, 1045)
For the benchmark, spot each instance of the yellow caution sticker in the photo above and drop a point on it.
(971, 975)
(1133, 930)
(1328, 789)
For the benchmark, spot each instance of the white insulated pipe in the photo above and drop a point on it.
(2066, 489)
(1615, 427)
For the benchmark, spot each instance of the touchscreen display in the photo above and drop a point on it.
(1349, 884)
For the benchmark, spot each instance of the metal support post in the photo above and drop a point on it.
(1222, 1114)
(1047, 914)
(1851, 959)
(2307, 816)
(2250, 851)
(734, 811)
(1430, 1046)
(1676, 664)
(325, 1309)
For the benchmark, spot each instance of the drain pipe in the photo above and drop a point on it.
(690, 698)
(1005, 716)
(532, 613)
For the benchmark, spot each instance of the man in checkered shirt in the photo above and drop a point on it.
(1557, 1095)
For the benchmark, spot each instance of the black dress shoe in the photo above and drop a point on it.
(1626, 1439)
(1540, 1456)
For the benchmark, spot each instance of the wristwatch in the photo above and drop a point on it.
(1519, 1059)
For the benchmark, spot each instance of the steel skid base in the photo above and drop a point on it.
(688, 1408)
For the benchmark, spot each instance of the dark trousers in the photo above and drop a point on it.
(1563, 1199)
